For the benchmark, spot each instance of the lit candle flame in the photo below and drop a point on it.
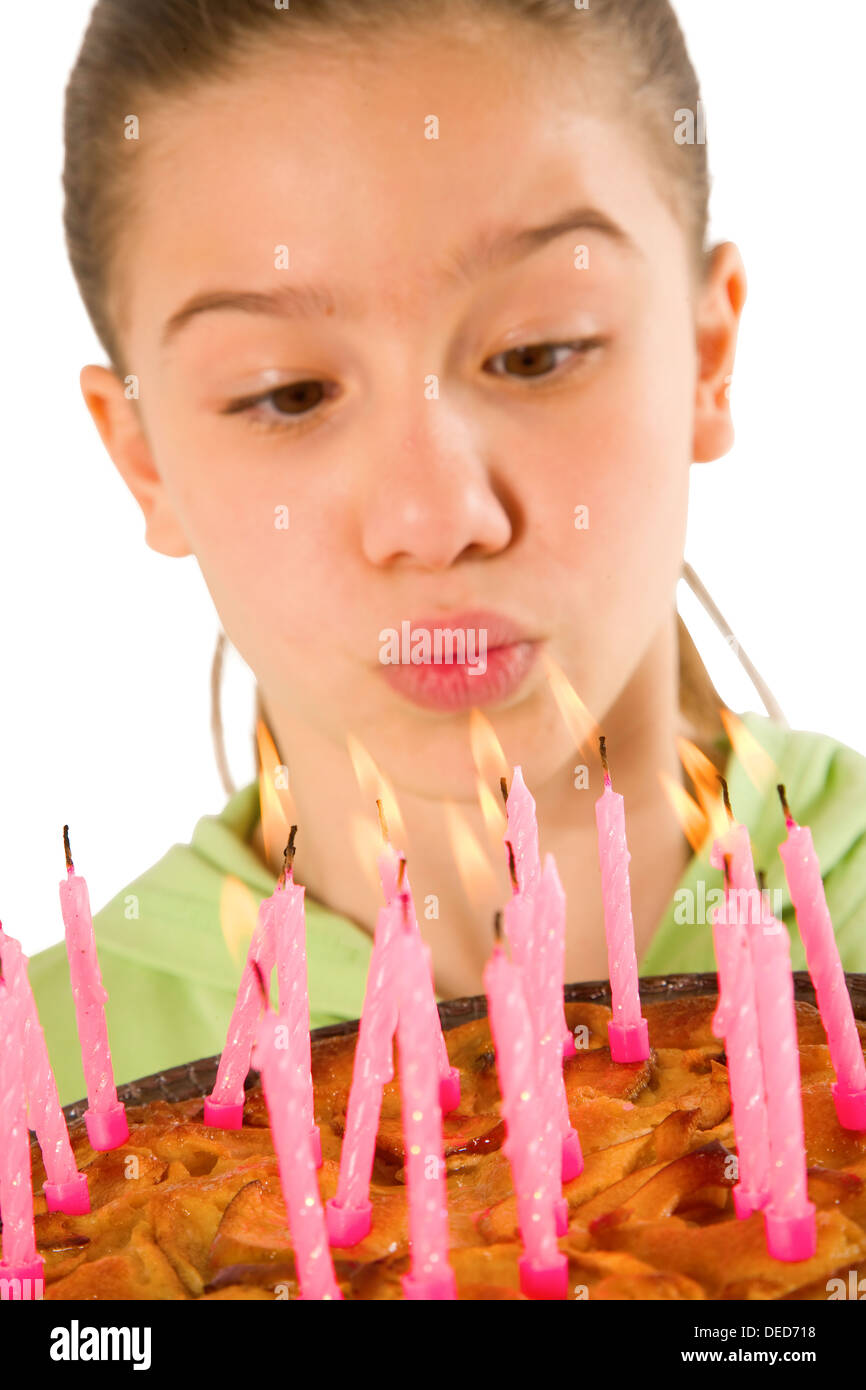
(491, 766)
(487, 752)
(367, 845)
(375, 786)
(275, 800)
(756, 761)
(705, 778)
(493, 811)
(474, 869)
(577, 718)
(706, 817)
(380, 819)
(687, 811)
(238, 914)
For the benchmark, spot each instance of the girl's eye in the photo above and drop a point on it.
(289, 403)
(287, 407)
(539, 359)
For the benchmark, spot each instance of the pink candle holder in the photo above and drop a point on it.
(850, 1107)
(791, 1238)
(544, 1281)
(71, 1197)
(17, 1281)
(560, 1215)
(747, 1203)
(107, 1129)
(569, 1048)
(572, 1156)
(432, 1288)
(223, 1115)
(449, 1091)
(346, 1226)
(629, 1042)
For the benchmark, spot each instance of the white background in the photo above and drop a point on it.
(106, 646)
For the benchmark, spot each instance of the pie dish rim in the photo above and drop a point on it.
(190, 1080)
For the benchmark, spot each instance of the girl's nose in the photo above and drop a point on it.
(436, 500)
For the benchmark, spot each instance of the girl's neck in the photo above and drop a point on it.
(641, 726)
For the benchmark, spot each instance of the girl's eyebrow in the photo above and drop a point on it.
(489, 251)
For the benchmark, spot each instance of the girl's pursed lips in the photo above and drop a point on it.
(497, 628)
(475, 657)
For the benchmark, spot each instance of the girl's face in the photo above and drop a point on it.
(325, 282)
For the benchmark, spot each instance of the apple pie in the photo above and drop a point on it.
(185, 1211)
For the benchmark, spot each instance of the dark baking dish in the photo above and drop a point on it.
(197, 1078)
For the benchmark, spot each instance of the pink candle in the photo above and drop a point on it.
(549, 930)
(286, 1102)
(449, 1077)
(21, 1269)
(394, 878)
(290, 945)
(806, 887)
(105, 1117)
(628, 1032)
(725, 944)
(430, 1275)
(789, 1216)
(732, 852)
(523, 927)
(550, 1020)
(519, 929)
(349, 1213)
(521, 832)
(65, 1188)
(224, 1107)
(391, 865)
(735, 847)
(521, 842)
(736, 1021)
(543, 1267)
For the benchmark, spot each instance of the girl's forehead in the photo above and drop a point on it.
(419, 174)
(412, 134)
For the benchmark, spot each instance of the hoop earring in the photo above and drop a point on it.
(216, 717)
(765, 694)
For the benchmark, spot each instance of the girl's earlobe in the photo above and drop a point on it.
(115, 413)
(163, 533)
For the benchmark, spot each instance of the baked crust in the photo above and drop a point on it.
(184, 1211)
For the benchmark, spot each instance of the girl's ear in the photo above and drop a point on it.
(720, 303)
(120, 427)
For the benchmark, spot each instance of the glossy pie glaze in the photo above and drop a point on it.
(185, 1211)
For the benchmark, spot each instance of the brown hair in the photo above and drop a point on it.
(136, 52)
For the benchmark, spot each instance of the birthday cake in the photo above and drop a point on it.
(186, 1211)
